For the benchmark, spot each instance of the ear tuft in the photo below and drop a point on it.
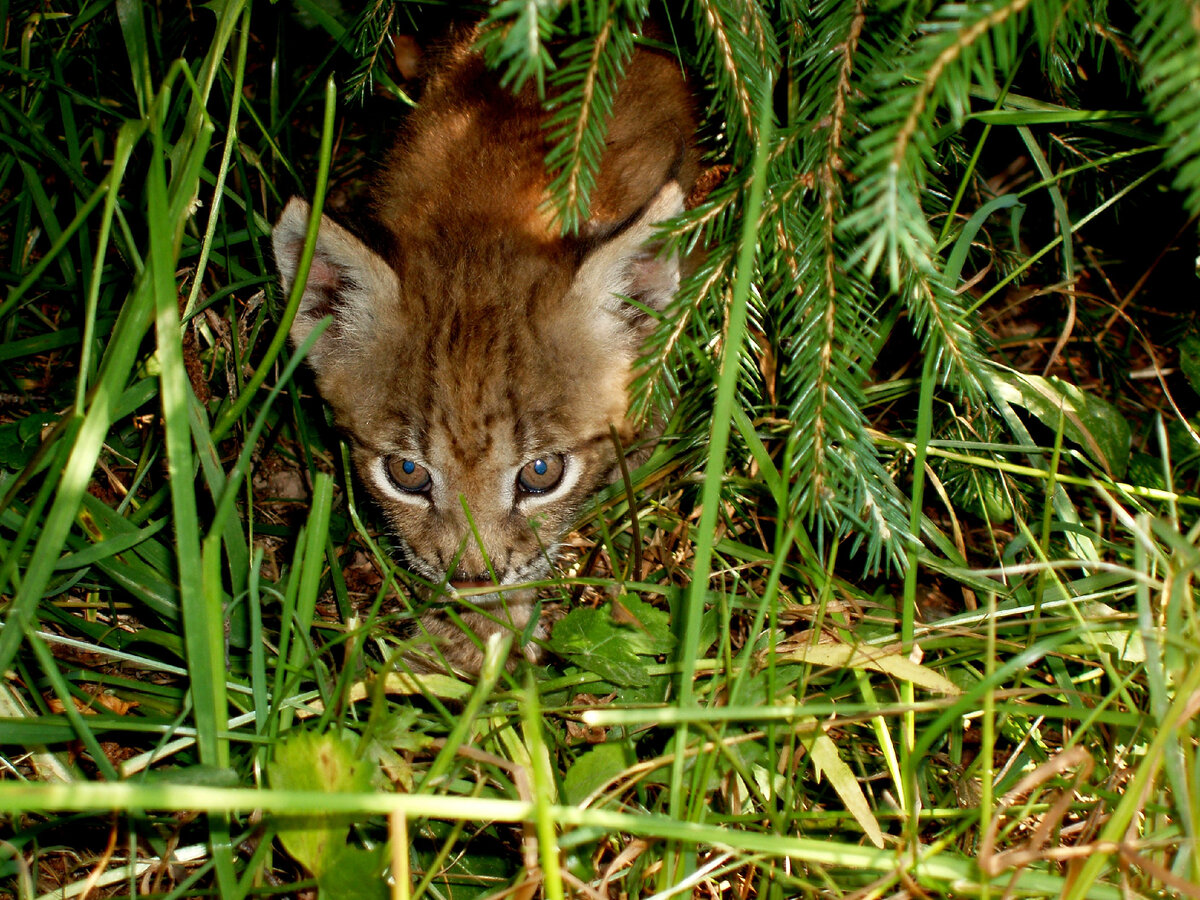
(346, 279)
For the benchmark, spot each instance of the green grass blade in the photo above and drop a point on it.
(950, 870)
(128, 136)
(206, 661)
(714, 471)
(231, 140)
(234, 412)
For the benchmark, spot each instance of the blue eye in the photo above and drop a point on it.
(410, 477)
(539, 466)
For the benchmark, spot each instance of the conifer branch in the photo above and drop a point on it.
(588, 80)
(829, 179)
(873, 91)
(849, 48)
(374, 32)
(739, 49)
(664, 346)
(723, 201)
(724, 48)
(570, 193)
(514, 35)
(1168, 39)
(890, 219)
(838, 482)
(932, 79)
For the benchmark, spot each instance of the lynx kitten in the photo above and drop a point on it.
(477, 357)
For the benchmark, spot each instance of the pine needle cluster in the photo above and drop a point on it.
(585, 85)
(1168, 41)
(372, 32)
(865, 197)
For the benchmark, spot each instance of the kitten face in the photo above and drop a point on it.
(478, 365)
(496, 391)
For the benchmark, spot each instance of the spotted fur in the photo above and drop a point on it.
(476, 338)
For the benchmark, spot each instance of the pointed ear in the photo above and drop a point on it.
(632, 264)
(346, 279)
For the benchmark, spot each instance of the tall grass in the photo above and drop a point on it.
(201, 624)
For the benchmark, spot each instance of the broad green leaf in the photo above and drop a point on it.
(307, 761)
(355, 873)
(840, 777)
(591, 769)
(770, 783)
(590, 638)
(650, 627)
(394, 728)
(1088, 421)
(1146, 471)
(19, 440)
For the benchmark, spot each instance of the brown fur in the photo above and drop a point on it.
(482, 339)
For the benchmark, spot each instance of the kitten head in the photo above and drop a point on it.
(478, 359)
(477, 375)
